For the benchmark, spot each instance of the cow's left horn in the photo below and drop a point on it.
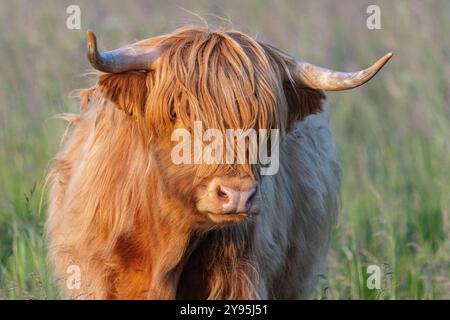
(120, 60)
(321, 78)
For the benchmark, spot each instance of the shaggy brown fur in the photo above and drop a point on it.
(126, 215)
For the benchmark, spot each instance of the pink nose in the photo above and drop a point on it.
(235, 200)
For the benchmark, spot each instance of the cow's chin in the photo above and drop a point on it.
(228, 218)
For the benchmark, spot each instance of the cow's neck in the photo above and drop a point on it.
(221, 266)
(170, 235)
(191, 264)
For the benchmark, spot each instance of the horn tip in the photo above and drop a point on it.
(91, 42)
(387, 57)
(381, 62)
(90, 37)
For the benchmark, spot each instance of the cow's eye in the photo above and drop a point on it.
(173, 115)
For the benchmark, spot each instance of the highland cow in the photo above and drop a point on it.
(139, 226)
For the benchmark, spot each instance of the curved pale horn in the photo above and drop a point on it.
(122, 59)
(321, 78)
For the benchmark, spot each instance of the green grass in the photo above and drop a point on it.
(393, 134)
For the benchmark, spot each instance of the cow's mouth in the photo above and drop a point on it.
(228, 217)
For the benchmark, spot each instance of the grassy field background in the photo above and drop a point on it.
(393, 134)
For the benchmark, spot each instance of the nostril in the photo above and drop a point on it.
(222, 194)
(252, 196)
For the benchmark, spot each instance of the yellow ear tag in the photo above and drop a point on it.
(131, 113)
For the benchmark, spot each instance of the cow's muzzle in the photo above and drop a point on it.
(230, 199)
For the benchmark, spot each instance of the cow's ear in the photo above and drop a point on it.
(128, 91)
(302, 101)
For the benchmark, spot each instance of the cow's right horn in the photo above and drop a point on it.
(128, 58)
